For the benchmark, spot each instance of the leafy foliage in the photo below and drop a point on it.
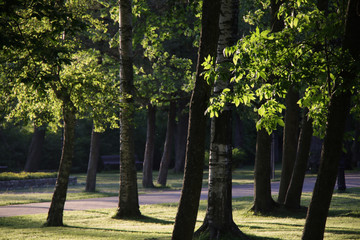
(306, 54)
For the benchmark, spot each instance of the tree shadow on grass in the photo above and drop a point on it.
(282, 212)
(253, 237)
(342, 231)
(146, 219)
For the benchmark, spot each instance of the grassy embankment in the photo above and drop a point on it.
(343, 222)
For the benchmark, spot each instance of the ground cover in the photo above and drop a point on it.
(107, 185)
(343, 222)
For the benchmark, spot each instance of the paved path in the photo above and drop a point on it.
(352, 180)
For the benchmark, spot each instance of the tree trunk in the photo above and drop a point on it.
(195, 149)
(238, 130)
(93, 161)
(147, 181)
(293, 195)
(180, 142)
(55, 215)
(35, 150)
(332, 148)
(263, 202)
(219, 221)
(355, 149)
(128, 194)
(290, 141)
(169, 142)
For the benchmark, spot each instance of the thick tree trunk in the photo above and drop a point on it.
(93, 161)
(35, 150)
(168, 146)
(180, 142)
(194, 162)
(330, 156)
(332, 148)
(219, 221)
(263, 201)
(148, 163)
(290, 141)
(293, 195)
(128, 194)
(55, 214)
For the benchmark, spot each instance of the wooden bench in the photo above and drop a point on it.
(111, 161)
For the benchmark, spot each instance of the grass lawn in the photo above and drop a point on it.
(108, 185)
(343, 222)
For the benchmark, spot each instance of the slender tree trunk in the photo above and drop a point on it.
(128, 194)
(238, 130)
(263, 201)
(147, 181)
(355, 149)
(194, 162)
(332, 147)
(93, 161)
(55, 215)
(290, 141)
(180, 142)
(169, 142)
(35, 150)
(293, 195)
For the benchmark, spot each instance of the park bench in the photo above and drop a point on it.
(112, 161)
(3, 168)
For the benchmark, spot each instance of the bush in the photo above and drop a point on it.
(5, 176)
(238, 155)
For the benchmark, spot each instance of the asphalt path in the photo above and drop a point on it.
(154, 197)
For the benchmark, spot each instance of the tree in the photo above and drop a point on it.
(293, 195)
(181, 135)
(169, 142)
(33, 159)
(55, 214)
(93, 161)
(290, 141)
(338, 111)
(47, 63)
(194, 161)
(148, 163)
(128, 194)
(218, 222)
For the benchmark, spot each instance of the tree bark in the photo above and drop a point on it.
(35, 150)
(180, 141)
(128, 206)
(55, 214)
(332, 148)
(147, 181)
(169, 142)
(219, 221)
(194, 162)
(293, 195)
(355, 148)
(93, 161)
(263, 201)
(290, 141)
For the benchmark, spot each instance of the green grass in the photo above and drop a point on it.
(5, 176)
(343, 222)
